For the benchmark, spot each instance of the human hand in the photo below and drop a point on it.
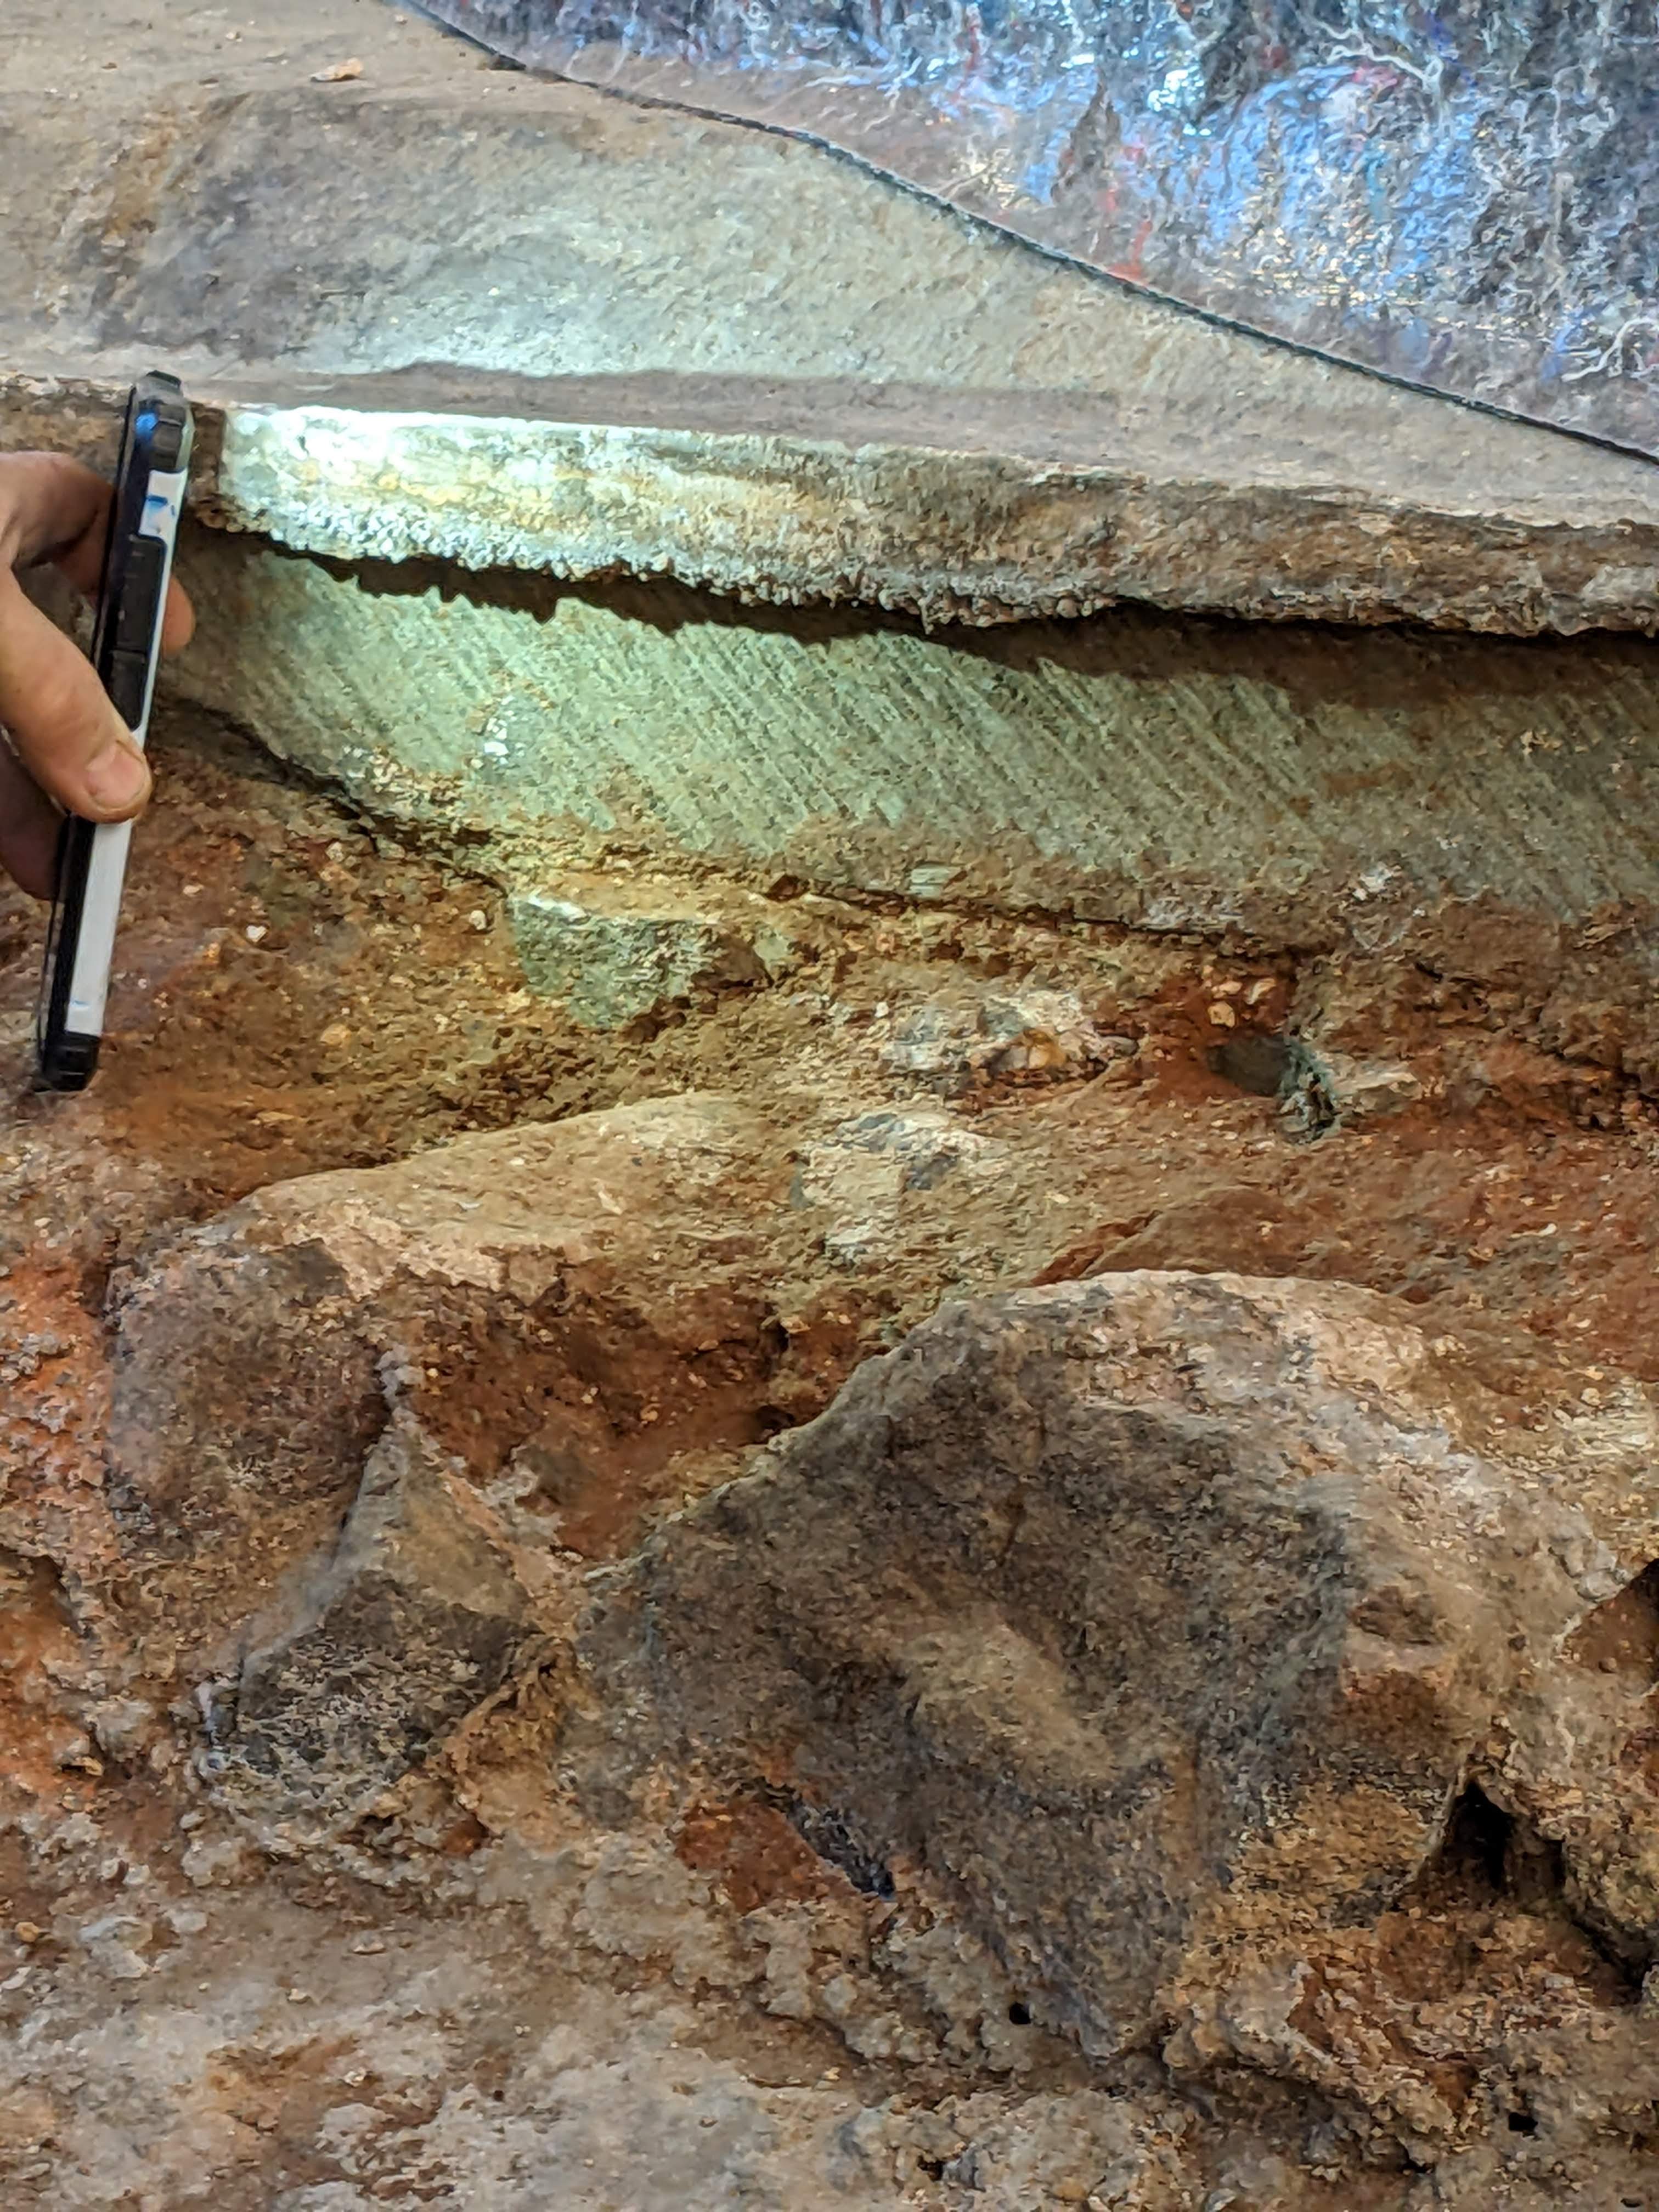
(68, 745)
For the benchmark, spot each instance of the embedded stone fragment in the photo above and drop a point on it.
(612, 964)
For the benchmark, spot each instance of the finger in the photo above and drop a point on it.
(179, 623)
(54, 509)
(83, 563)
(28, 828)
(68, 735)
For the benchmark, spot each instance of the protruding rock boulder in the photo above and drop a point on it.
(1177, 1627)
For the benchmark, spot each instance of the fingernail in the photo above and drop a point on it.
(117, 779)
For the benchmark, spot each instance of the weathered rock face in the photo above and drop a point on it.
(1165, 1623)
(1477, 808)
(1169, 1628)
(353, 1417)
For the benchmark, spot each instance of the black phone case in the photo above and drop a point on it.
(126, 639)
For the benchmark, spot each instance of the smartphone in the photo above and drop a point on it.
(92, 857)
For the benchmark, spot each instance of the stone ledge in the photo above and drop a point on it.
(530, 326)
(948, 533)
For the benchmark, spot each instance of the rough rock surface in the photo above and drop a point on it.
(1195, 1649)
(299, 1529)
(1482, 808)
(387, 1346)
(333, 1872)
(485, 344)
(1167, 1623)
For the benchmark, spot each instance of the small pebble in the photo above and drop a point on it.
(27, 1932)
(256, 932)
